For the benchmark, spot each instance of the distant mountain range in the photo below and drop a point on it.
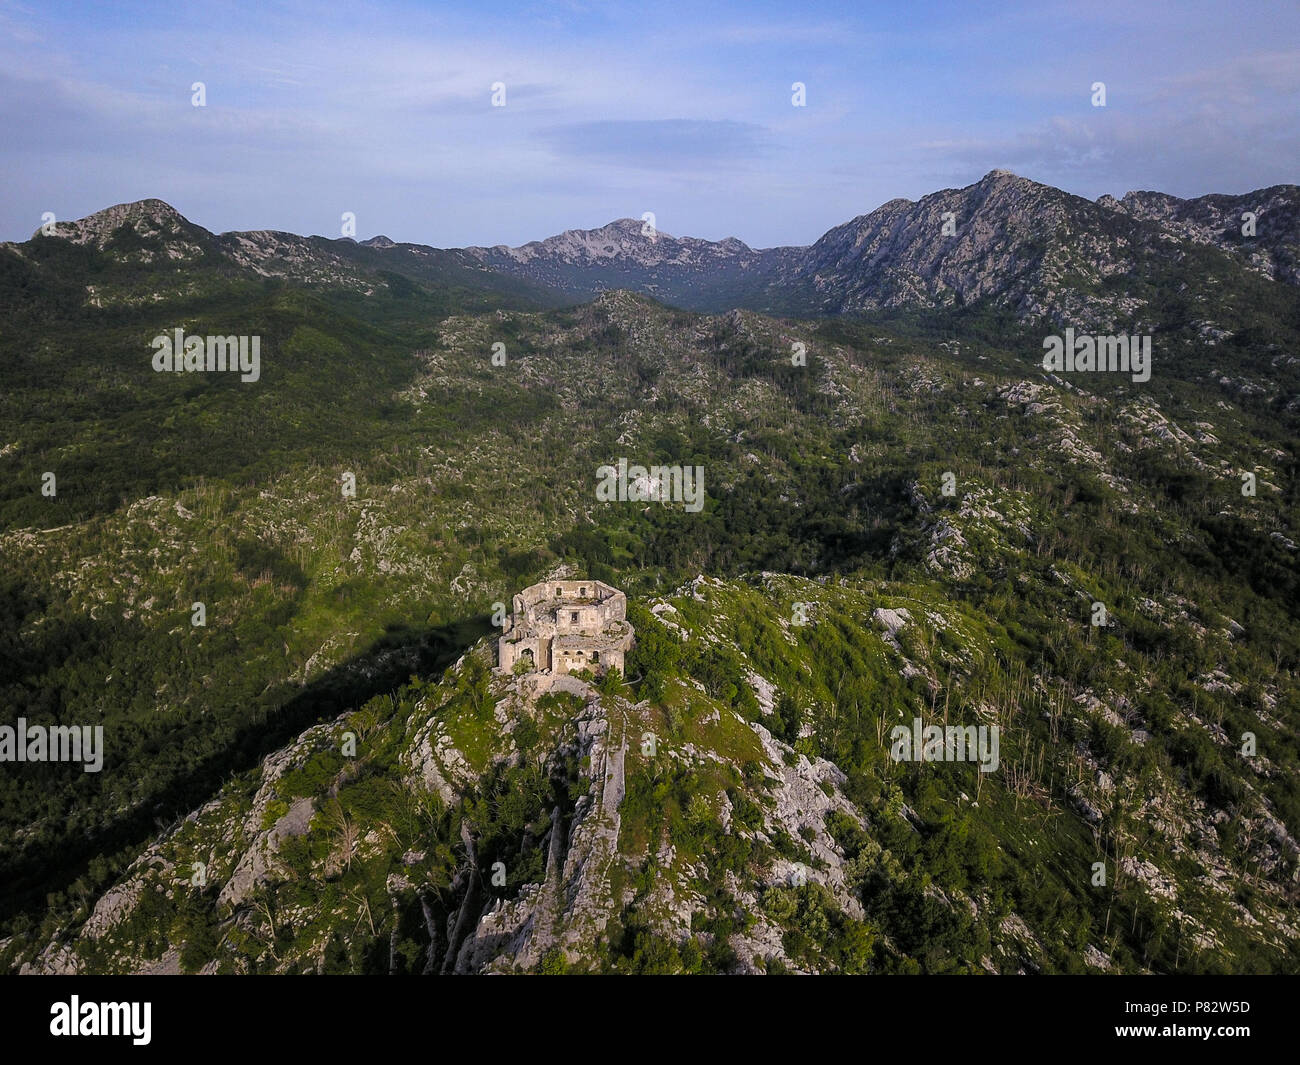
(1004, 243)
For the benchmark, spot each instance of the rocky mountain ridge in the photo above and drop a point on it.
(1004, 242)
(1226, 223)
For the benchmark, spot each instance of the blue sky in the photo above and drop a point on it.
(683, 109)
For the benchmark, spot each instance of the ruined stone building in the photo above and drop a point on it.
(566, 626)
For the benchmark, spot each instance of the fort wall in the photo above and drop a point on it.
(565, 626)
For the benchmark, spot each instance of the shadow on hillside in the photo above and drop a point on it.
(384, 667)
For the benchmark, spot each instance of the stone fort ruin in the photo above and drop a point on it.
(566, 626)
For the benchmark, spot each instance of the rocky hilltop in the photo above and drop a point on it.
(552, 897)
(627, 253)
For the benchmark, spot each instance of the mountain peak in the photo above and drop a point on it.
(630, 226)
(624, 228)
(148, 218)
(623, 238)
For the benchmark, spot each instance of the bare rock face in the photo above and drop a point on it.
(1005, 238)
(1267, 241)
(55, 960)
(1039, 252)
(254, 866)
(113, 905)
(572, 906)
(805, 793)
